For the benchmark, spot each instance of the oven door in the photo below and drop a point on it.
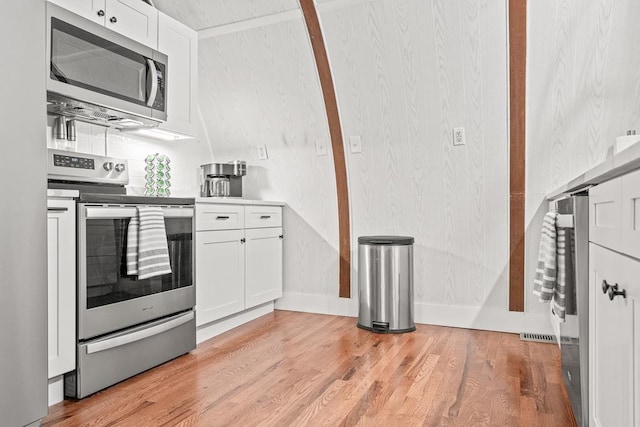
(109, 299)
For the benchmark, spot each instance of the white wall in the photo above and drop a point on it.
(406, 73)
(186, 155)
(259, 86)
(583, 90)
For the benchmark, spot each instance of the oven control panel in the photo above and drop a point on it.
(73, 162)
(90, 168)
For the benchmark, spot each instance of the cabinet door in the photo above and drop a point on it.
(61, 254)
(180, 44)
(134, 19)
(263, 265)
(219, 274)
(614, 339)
(90, 9)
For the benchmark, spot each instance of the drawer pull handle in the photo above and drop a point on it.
(57, 209)
(265, 216)
(605, 287)
(614, 292)
(222, 217)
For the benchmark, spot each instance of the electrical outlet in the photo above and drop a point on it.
(262, 152)
(321, 147)
(458, 136)
(355, 143)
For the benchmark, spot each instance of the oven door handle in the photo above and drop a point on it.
(121, 340)
(98, 212)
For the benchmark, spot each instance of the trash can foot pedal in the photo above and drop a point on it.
(380, 326)
(386, 330)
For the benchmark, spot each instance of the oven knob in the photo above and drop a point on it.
(108, 166)
(119, 167)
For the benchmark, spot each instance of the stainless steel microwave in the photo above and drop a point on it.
(97, 75)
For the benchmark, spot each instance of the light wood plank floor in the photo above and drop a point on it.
(297, 369)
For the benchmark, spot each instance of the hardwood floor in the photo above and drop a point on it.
(296, 369)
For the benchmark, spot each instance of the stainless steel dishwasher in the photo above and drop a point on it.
(573, 217)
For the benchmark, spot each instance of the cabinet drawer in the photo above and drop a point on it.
(219, 217)
(263, 216)
(630, 221)
(605, 214)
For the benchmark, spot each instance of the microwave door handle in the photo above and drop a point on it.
(59, 75)
(154, 82)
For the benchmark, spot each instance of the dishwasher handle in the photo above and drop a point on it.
(565, 221)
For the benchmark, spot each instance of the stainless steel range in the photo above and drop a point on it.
(125, 324)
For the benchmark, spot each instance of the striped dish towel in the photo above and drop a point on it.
(550, 280)
(147, 249)
(545, 279)
(558, 304)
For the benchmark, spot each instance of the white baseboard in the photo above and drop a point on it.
(320, 304)
(221, 326)
(489, 319)
(56, 390)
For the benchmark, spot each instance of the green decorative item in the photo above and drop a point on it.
(157, 175)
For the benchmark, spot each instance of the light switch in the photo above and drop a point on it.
(355, 143)
(321, 147)
(262, 152)
(459, 136)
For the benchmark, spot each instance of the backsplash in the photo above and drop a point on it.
(186, 156)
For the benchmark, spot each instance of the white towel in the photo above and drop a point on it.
(550, 280)
(147, 249)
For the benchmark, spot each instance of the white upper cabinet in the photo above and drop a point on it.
(131, 18)
(134, 19)
(90, 9)
(180, 44)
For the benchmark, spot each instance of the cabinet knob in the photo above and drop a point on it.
(113, 20)
(614, 292)
(281, 236)
(605, 286)
(243, 240)
(101, 12)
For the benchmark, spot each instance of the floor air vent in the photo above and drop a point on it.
(526, 336)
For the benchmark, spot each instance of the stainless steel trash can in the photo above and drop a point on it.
(385, 284)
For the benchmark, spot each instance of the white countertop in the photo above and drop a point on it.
(63, 194)
(617, 165)
(236, 201)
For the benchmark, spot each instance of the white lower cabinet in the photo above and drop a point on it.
(61, 250)
(219, 274)
(237, 268)
(263, 257)
(614, 339)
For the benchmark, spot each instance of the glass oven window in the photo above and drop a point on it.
(85, 60)
(107, 279)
